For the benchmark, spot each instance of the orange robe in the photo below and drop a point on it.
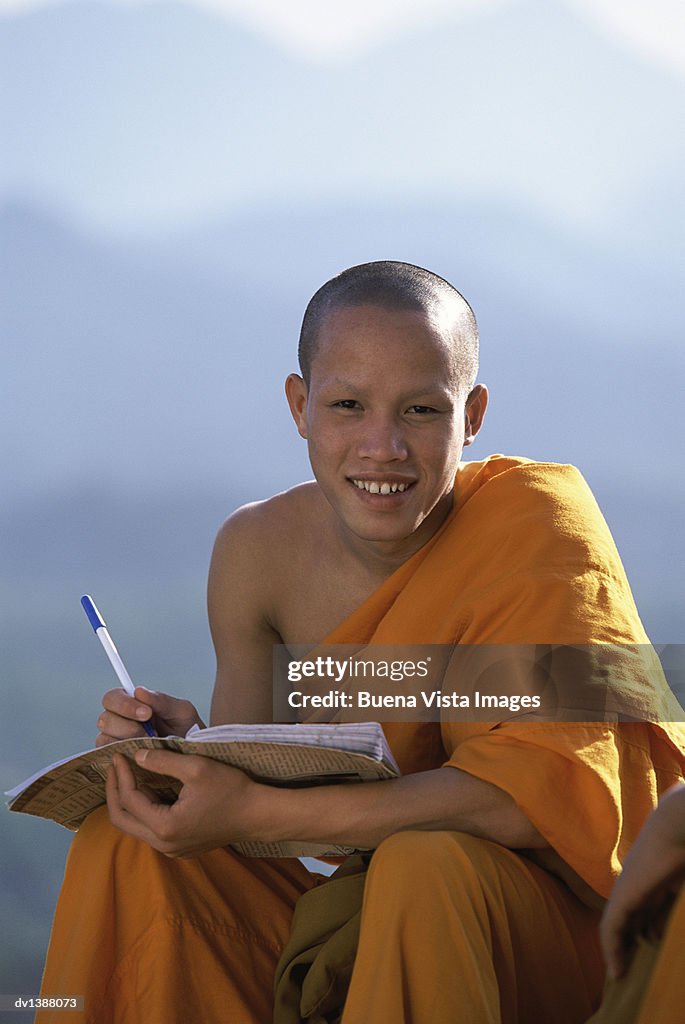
(453, 927)
(652, 991)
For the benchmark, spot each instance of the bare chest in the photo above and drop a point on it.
(316, 596)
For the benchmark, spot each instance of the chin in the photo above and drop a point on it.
(391, 531)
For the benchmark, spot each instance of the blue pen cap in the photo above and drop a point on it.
(96, 620)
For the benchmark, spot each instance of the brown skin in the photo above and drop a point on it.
(653, 873)
(384, 403)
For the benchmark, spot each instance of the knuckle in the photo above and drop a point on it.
(111, 699)
(183, 709)
(165, 833)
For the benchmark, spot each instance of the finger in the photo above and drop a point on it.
(132, 797)
(103, 739)
(175, 711)
(134, 805)
(166, 762)
(115, 725)
(119, 703)
(613, 939)
(612, 950)
(119, 816)
(614, 957)
(151, 698)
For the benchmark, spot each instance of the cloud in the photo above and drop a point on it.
(655, 30)
(342, 28)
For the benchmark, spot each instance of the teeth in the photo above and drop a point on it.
(374, 487)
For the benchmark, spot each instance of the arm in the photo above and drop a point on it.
(364, 815)
(221, 805)
(238, 604)
(654, 866)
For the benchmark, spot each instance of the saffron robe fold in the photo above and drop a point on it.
(526, 558)
(523, 558)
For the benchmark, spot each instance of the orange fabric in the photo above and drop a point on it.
(525, 557)
(144, 938)
(456, 928)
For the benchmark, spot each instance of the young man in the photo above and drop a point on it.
(396, 541)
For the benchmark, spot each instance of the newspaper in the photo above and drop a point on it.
(281, 755)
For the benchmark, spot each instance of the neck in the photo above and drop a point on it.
(380, 558)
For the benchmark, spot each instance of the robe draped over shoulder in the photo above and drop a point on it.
(525, 557)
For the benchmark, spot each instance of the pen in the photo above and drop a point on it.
(98, 623)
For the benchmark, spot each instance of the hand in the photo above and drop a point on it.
(653, 874)
(217, 804)
(122, 715)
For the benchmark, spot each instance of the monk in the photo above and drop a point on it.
(495, 849)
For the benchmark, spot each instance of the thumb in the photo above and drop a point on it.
(160, 703)
(174, 711)
(165, 762)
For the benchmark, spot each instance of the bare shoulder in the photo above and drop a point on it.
(263, 527)
(250, 578)
(260, 550)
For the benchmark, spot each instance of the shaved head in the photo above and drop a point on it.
(396, 286)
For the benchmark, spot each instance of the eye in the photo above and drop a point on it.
(422, 410)
(346, 403)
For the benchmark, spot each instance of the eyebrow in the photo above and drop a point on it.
(415, 392)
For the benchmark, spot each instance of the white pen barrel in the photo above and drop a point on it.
(117, 664)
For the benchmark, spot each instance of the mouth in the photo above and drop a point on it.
(380, 486)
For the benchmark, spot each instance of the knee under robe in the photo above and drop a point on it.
(454, 929)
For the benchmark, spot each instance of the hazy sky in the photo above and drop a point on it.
(339, 27)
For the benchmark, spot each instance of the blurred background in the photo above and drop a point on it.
(175, 182)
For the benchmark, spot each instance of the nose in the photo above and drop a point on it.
(382, 440)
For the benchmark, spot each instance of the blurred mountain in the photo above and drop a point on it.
(486, 247)
(164, 363)
(142, 384)
(110, 372)
(134, 116)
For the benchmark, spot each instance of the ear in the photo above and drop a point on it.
(296, 393)
(476, 404)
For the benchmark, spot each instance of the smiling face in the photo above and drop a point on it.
(386, 418)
